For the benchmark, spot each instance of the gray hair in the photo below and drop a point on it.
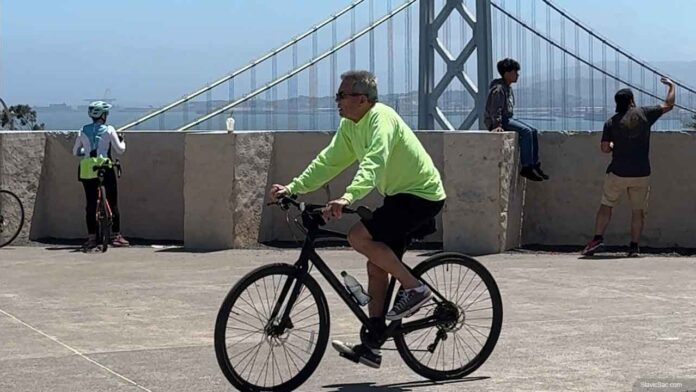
(364, 82)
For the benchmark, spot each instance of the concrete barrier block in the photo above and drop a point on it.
(252, 164)
(60, 201)
(209, 198)
(478, 175)
(21, 161)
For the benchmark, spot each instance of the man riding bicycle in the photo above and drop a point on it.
(392, 160)
(96, 141)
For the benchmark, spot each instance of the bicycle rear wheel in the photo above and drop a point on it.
(104, 221)
(473, 303)
(11, 217)
(254, 353)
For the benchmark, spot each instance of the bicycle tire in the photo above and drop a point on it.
(103, 222)
(3, 216)
(224, 315)
(486, 349)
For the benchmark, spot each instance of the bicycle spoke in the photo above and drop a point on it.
(443, 352)
(289, 359)
(258, 348)
(297, 347)
(425, 333)
(303, 319)
(291, 351)
(466, 289)
(265, 367)
(249, 349)
(477, 299)
(244, 329)
(301, 311)
(244, 322)
(478, 310)
(424, 337)
(444, 278)
(268, 301)
(260, 316)
(247, 337)
(425, 352)
(460, 280)
(451, 275)
(275, 363)
(236, 317)
(300, 301)
(301, 337)
(472, 335)
(479, 318)
(258, 292)
(457, 339)
(304, 328)
(475, 327)
(455, 351)
(277, 289)
(431, 358)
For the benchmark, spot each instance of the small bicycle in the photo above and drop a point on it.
(11, 217)
(104, 214)
(273, 326)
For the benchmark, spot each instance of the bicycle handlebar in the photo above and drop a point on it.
(285, 201)
(116, 164)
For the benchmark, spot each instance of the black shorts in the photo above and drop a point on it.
(401, 218)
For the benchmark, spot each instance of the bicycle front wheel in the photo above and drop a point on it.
(11, 217)
(474, 310)
(253, 351)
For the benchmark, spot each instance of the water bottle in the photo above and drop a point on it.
(229, 123)
(356, 289)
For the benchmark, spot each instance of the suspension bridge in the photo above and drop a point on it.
(434, 60)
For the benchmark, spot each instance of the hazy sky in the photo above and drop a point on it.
(151, 51)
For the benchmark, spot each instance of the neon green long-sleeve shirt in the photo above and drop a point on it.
(391, 159)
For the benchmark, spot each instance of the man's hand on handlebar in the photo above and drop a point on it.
(334, 209)
(278, 191)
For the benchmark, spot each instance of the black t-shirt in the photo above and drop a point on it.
(630, 133)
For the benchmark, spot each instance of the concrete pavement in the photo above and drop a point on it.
(143, 318)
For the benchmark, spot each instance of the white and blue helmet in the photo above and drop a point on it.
(97, 108)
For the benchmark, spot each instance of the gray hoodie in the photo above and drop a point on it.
(499, 105)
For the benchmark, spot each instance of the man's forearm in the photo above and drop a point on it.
(669, 101)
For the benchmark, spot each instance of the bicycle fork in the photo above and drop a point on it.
(280, 320)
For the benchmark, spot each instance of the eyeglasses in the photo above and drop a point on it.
(340, 95)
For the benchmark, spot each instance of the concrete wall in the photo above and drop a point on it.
(21, 162)
(484, 196)
(150, 191)
(562, 211)
(208, 190)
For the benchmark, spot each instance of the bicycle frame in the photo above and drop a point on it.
(309, 254)
(102, 198)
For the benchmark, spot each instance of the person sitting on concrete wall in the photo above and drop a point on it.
(391, 159)
(499, 117)
(96, 140)
(627, 136)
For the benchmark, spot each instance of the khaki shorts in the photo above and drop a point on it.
(638, 189)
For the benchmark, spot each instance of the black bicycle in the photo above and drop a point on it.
(105, 216)
(273, 327)
(11, 217)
